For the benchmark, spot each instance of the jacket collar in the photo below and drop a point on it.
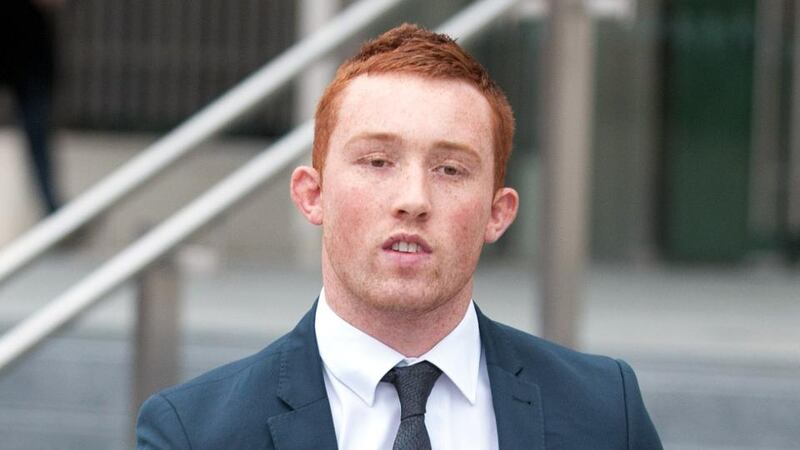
(517, 401)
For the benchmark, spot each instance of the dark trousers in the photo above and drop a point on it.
(34, 102)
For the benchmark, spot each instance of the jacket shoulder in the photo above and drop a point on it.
(237, 398)
(535, 352)
(583, 395)
(230, 373)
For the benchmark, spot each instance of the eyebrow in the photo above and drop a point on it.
(450, 145)
(393, 138)
(381, 137)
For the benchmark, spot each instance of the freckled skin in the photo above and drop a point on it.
(414, 156)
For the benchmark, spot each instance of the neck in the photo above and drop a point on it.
(408, 331)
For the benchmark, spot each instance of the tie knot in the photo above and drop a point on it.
(414, 385)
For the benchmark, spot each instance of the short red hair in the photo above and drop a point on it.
(409, 49)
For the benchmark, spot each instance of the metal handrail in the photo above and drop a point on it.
(204, 124)
(32, 331)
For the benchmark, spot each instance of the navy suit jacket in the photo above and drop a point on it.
(545, 397)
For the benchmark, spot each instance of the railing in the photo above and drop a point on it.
(145, 251)
(212, 119)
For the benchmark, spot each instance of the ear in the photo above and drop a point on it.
(504, 210)
(305, 190)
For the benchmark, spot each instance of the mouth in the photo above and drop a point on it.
(407, 243)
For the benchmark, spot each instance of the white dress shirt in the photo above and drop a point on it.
(366, 412)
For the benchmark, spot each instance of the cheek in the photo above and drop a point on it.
(345, 212)
(469, 222)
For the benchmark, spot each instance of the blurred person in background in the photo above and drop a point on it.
(27, 67)
(411, 143)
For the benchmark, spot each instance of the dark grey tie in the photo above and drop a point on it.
(413, 384)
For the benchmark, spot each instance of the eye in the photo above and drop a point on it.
(375, 161)
(378, 163)
(449, 170)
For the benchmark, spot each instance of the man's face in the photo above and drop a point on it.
(407, 197)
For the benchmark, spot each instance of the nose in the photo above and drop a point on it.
(412, 196)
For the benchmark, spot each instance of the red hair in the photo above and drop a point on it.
(409, 49)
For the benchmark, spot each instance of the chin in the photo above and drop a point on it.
(407, 300)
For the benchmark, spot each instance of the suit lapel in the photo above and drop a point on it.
(517, 402)
(309, 423)
(308, 427)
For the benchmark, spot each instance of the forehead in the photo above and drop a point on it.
(416, 110)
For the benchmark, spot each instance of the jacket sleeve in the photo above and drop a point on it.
(642, 433)
(159, 426)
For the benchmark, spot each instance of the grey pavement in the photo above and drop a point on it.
(717, 351)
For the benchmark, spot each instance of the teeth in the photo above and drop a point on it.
(405, 247)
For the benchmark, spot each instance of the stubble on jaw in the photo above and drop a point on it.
(409, 327)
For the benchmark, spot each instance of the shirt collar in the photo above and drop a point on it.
(359, 361)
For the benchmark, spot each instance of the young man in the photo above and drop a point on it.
(411, 144)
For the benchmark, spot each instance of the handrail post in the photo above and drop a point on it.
(156, 357)
(792, 196)
(567, 94)
(768, 106)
